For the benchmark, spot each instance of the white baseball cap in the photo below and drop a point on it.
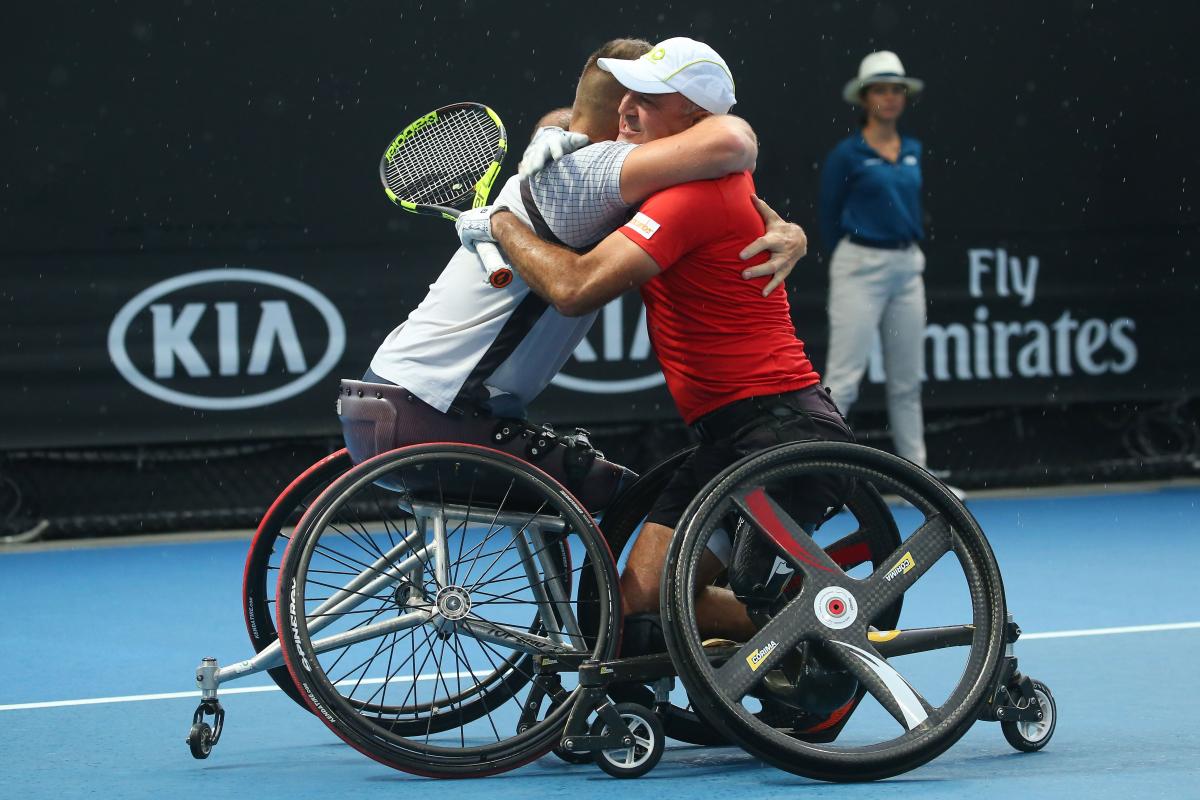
(681, 65)
(881, 67)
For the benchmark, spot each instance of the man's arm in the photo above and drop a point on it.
(575, 284)
(578, 284)
(713, 147)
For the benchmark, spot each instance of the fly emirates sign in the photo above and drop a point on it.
(1013, 335)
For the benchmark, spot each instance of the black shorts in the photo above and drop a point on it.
(746, 427)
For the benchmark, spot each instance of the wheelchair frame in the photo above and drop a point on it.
(1021, 704)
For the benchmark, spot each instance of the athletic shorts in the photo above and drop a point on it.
(746, 427)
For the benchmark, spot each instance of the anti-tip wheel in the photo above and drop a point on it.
(1029, 736)
(649, 741)
(199, 740)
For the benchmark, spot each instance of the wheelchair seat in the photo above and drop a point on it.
(378, 417)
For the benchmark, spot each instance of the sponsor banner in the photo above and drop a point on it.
(1010, 321)
(202, 259)
(119, 350)
(122, 350)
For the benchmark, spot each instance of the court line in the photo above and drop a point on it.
(1171, 626)
(134, 698)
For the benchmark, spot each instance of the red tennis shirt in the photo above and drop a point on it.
(716, 337)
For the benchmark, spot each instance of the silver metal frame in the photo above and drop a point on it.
(394, 566)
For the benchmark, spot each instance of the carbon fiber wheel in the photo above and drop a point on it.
(417, 593)
(924, 682)
(862, 533)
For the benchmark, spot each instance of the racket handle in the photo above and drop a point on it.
(499, 274)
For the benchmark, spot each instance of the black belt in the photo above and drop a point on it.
(882, 244)
(728, 420)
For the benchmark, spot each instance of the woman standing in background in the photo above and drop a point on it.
(870, 213)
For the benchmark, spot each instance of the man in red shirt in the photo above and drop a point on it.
(727, 346)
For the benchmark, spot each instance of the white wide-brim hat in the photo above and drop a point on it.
(681, 65)
(881, 67)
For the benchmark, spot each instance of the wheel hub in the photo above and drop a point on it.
(835, 607)
(453, 602)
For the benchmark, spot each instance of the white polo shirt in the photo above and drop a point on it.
(467, 337)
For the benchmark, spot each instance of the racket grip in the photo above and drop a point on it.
(499, 274)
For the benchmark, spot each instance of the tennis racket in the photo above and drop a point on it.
(445, 163)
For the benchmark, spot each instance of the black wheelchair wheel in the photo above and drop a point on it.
(841, 615)
(420, 591)
(863, 532)
(266, 550)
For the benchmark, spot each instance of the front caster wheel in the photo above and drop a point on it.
(647, 748)
(1029, 736)
(200, 740)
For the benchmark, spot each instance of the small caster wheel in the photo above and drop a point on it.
(200, 740)
(648, 743)
(1029, 736)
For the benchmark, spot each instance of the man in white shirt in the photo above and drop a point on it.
(470, 357)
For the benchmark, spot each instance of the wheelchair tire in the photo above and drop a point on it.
(266, 550)
(434, 637)
(262, 568)
(836, 610)
(874, 538)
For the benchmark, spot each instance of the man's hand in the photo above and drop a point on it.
(785, 241)
(475, 226)
(549, 144)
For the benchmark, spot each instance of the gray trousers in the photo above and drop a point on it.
(879, 292)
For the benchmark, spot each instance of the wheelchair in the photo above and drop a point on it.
(451, 611)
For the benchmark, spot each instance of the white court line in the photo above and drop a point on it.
(133, 698)
(1172, 626)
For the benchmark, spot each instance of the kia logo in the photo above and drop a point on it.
(186, 339)
(619, 343)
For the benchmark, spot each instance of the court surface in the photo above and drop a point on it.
(100, 642)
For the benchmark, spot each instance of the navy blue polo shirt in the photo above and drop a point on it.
(865, 195)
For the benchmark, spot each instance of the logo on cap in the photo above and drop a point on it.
(657, 54)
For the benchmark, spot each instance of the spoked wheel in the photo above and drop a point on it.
(419, 590)
(923, 692)
(262, 570)
(266, 551)
(858, 538)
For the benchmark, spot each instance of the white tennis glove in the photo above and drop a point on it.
(549, 144)
(475, 225)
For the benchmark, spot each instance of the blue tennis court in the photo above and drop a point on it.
(100, 643)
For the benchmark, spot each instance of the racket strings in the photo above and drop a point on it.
(441, 163)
